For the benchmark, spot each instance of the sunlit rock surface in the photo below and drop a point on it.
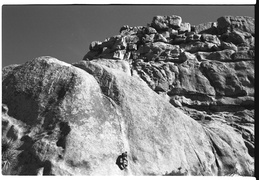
(178, 98)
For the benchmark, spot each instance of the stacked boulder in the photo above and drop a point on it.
(167, 38)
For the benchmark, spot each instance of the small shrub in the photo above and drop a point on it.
(9, 154)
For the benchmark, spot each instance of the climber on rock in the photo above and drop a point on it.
(125, 160)
(122, 161)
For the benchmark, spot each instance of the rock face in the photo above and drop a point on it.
(178, 98)
(242, 23)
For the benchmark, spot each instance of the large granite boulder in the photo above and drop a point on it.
(77, 119)
(166, 22)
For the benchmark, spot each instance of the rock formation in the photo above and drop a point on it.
(178, 98)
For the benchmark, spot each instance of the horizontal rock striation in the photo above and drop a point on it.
(178, 98)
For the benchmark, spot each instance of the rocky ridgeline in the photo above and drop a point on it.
(210, 64)
(169, 39)
(178, 98)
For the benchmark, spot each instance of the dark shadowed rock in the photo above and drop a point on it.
(95, 46)
(240, 38)
(179, 39)
(91, 55)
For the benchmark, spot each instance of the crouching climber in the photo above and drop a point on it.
(122, 161)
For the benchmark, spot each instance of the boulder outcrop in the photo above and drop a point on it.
(178, 98)
(76, 119)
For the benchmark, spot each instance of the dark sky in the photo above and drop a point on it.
(64, 32)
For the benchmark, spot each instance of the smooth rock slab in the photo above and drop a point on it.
(80, 119)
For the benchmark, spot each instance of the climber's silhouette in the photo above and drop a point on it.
(122, 161)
